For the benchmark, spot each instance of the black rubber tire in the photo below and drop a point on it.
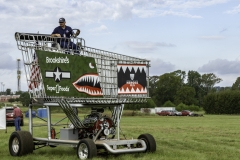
(90, 146)
(20, 143)
(150, 142)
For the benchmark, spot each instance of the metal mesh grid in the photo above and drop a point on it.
(106, 66)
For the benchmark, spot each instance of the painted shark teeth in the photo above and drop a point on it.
(90, 91)
(130, 90)
(130, 67)
(89, 78)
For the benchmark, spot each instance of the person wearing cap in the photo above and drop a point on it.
(17, 117)
(64, 32)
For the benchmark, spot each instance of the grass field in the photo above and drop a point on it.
(212, 137)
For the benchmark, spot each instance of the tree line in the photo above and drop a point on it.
(224, 101)
(194, 89)
(181, 87)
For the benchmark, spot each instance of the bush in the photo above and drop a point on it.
(169, 104)
(183, 106)
(194, 108)
(225, 102)
(2, 105)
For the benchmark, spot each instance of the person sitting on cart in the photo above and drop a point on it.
(63, 34)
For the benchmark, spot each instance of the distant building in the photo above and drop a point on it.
(5, 98)
(156, 109)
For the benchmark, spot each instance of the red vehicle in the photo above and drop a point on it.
(166, 113)
(10, 118)
(186, 113)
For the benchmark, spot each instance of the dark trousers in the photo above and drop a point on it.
(17, 123)
(69, 45)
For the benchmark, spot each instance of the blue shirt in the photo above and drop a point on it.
(66, 32)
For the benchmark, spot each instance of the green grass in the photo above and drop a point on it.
(212, 137)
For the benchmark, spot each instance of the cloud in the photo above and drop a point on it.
(96, 10)
(7, 62)
(179, 14)
(159, 67)
(227, 80)
(183, 4)
(180, 8)
(99, 29)
(147, 46)
(221, 66)
(212, 37)
(4, 47)
(235, 10)
(153, 13)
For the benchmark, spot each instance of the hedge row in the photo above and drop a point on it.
(182, 106)
(227, 102)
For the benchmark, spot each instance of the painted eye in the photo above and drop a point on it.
(91, 65)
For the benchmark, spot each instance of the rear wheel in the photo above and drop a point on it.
(150, 142)
(20, 143)
(86, 149)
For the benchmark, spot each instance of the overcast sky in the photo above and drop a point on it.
(199, 35)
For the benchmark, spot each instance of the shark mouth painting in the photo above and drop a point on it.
(132, 79)
(89, 84)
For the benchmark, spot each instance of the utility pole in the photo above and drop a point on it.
(18, 75)
(1, 87)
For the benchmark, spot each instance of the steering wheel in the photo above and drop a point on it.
(77, 32)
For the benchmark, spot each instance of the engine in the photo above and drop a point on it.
(97, 125)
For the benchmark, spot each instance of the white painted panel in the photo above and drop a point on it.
(3, 118)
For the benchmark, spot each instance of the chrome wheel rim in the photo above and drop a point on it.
(83, 151)
(15, 145)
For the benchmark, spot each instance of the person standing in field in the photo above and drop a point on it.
(17, 117)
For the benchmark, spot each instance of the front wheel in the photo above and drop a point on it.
(20, 143)
(86, 149)
(150, 142)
